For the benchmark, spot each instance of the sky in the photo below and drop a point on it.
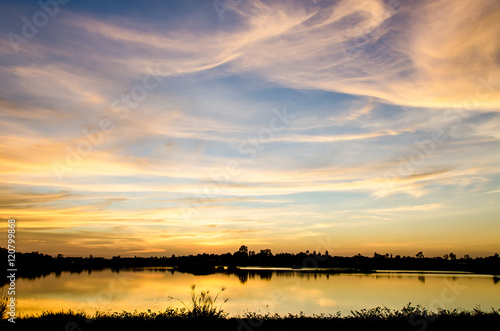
(153, 128)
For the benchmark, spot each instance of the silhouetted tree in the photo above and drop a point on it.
(266, 252)
(243, 250)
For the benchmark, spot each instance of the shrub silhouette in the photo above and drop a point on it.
(202, 304)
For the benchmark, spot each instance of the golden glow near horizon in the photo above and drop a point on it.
(160, 128)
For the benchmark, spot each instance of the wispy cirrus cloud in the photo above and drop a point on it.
(401, 54)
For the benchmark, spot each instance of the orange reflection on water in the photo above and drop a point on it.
(281, 292)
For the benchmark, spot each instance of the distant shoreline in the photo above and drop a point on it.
(33, 265)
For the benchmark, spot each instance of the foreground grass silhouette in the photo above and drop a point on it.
(202, 305)
(205, 312)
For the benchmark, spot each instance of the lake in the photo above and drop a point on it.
(277, 291)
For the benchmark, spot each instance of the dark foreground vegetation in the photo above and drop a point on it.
(36, 264)
(409, 318)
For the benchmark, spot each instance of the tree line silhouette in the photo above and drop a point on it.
(36, 264)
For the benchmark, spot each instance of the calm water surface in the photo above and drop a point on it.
(281, 292)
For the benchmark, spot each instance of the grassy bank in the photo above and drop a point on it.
(408, 318)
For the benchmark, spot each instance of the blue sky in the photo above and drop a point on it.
(152, 128)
